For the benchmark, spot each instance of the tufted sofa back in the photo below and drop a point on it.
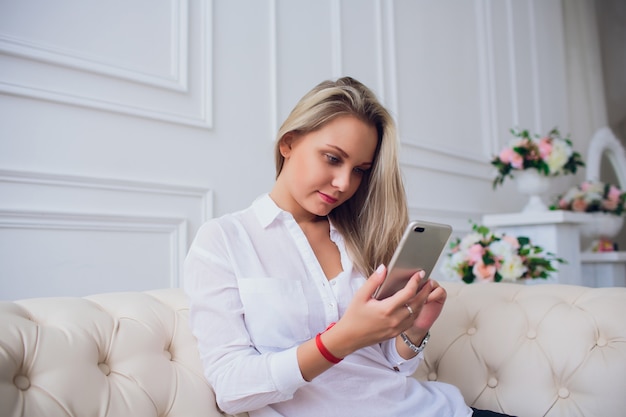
(533, 350)
(543, 350)
(113, 355)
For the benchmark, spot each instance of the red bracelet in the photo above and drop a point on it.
(325, 352)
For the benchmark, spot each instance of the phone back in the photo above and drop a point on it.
(420, 247)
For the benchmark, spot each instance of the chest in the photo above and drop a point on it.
(325, 250)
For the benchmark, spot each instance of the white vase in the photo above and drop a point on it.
(602, 226)
(533, 184)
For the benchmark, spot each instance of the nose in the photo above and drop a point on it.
(342, 179)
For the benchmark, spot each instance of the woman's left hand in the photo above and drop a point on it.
(425, 318)
(432, 307)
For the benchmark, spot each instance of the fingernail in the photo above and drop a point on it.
(422, 274)
(380, 269)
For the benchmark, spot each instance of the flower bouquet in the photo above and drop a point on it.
(592, 196)
(485, 256)
(550, 155)
(605, 202)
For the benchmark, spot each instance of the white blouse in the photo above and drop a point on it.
(257, 291)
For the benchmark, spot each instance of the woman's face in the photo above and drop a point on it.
(324, 168)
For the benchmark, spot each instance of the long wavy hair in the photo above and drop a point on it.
(373, 219)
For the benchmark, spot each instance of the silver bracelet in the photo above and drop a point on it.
(414, 348)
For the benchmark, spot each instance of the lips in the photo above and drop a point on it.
(328, 199)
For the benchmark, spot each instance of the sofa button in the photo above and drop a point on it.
(563, 392)
(22, 382)
(531, 334)
(492, 383)
(601, 342)
(432, 376)
(471, 331)
(104, 368)
(168, 355)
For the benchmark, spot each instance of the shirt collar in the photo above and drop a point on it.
(266, 210)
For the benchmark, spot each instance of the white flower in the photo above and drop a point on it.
(596, 187)
(469, 240)
(574, 194)
(590, 197)
(502, 249)
(493, 256)
(450, 265)
(512, 268)
(561, 152)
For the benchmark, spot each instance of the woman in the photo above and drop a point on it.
(281, 292)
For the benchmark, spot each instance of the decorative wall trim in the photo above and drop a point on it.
(534, 64)
(176, 229)
(177, 84)
(388, 54)
(510, 37)
(486, 60)
(486, 64)
(206, 63)
(205, 196)
(177, 81)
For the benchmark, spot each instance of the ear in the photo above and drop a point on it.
(285, 144)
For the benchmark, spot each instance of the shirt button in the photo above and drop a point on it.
(331, 304)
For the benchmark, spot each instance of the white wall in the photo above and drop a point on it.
(125, 125)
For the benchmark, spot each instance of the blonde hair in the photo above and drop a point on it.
(373, 219)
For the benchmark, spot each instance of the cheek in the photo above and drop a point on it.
(356, 182)
(304, 171)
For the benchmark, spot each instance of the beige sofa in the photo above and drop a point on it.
(529, 350)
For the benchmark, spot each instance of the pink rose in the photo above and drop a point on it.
(475, 253)
(563, 204)
(579, 205)
(509, 156)
(614, 193)
(517, 161)
(545, 147)
(609, 205)
(506, 155)
(511, 241)
(585, 186)
(484, 273)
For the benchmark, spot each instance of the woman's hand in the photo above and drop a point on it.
(368, 321)
(431, 308)
(427, 316)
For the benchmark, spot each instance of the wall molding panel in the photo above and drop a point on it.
(176, 88)
(110, 214)
(26, 183)
(421, 132)
(75, 235)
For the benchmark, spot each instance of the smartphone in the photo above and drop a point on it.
(419, 249)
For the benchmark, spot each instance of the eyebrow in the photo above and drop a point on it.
(345, 155)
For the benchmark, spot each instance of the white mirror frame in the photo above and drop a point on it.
(604, 142)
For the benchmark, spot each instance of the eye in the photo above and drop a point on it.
(360, 171)
(332, 159)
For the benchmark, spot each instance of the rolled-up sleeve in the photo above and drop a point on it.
(405, 366)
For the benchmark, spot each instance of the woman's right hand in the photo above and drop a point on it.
(368, 320)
